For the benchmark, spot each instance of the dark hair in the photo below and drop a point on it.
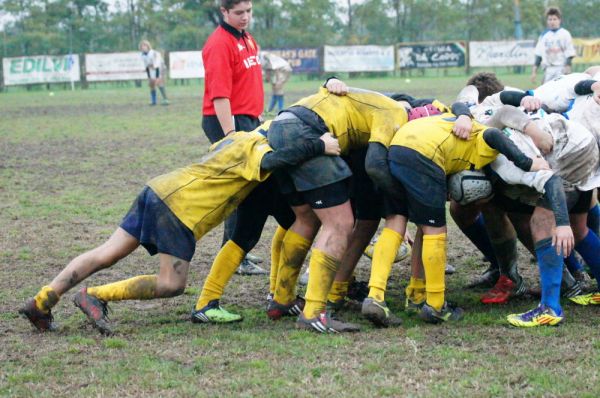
(229, 4)
(553, 11)
(487, 84)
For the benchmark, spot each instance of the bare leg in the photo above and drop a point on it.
(118, 246)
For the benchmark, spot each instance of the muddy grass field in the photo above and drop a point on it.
(70, 166)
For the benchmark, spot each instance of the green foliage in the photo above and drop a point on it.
(80, 26)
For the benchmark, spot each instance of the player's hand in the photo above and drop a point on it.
(337, 87)
(539, 164)
(332, 146)
(563, 240)
(531, 104)
(462, 127)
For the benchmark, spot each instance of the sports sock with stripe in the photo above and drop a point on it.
(45, 299)
(294, 249)
(551, 267)
(434, 263)
(384, 253)
(322, 269)
(141, 287)
(276, 244)
(589, 248)
(227, 261)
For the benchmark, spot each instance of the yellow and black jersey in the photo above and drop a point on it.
(357, 118)
(202, 195)
(433, 138)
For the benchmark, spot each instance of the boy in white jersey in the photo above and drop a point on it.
(155, 69)
(554, 50)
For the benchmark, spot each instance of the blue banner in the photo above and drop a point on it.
(302, 60)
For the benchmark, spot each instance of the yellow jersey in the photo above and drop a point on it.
(432, 137)
(357, 118)
(202, 195)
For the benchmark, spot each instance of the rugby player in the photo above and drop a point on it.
(171, 213)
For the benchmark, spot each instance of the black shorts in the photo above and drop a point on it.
(511, 205)
(578, 202)
(155, 226)
(214, 132)
(367, 200)
(323, 197)
(423, 184)
(317, 172)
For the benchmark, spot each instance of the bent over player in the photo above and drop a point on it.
(171, 213)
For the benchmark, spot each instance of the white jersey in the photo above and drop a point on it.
(554, 47)
(575, 157)
(153, 60)
(271, 61)
(558, 94)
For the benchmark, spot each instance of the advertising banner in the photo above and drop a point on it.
(186, 65)
(302, 60)
(501, 53)
(358, 58)
(41, 69)
(588, 51)
(114, 66)
(431, 55)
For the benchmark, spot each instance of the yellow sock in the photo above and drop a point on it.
(384, 254)
(45, 299)
(141, 287)
(415, 291)
(227, 261)
(276, 244)
(434, 262)
(338, 291)
(293, 252)
(322, 269)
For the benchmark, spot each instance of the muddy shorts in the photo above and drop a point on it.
(151, 222)
(317, 172)
(423, 185)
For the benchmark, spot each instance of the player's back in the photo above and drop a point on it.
(357, 118)
(202, 195)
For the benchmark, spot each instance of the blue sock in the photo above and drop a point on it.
(153, 96)
(478, 235)
(572, 263)
(551, 266)
(589, 248)
(280, 102)
(273, 102)
(593, 219)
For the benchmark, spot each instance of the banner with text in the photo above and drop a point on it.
(186, 65)
(501, 53)
(431, 55)
(358, 58)
(302, 60)
(588, 51)
(41, 69)
(114, 66)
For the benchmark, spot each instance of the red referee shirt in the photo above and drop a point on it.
(232, 70)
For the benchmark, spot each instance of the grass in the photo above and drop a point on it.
(71, 165)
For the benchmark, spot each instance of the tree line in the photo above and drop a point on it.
(78, 26)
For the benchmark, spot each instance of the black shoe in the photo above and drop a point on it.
(276, 310)
(447, 313)
(324, 323)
